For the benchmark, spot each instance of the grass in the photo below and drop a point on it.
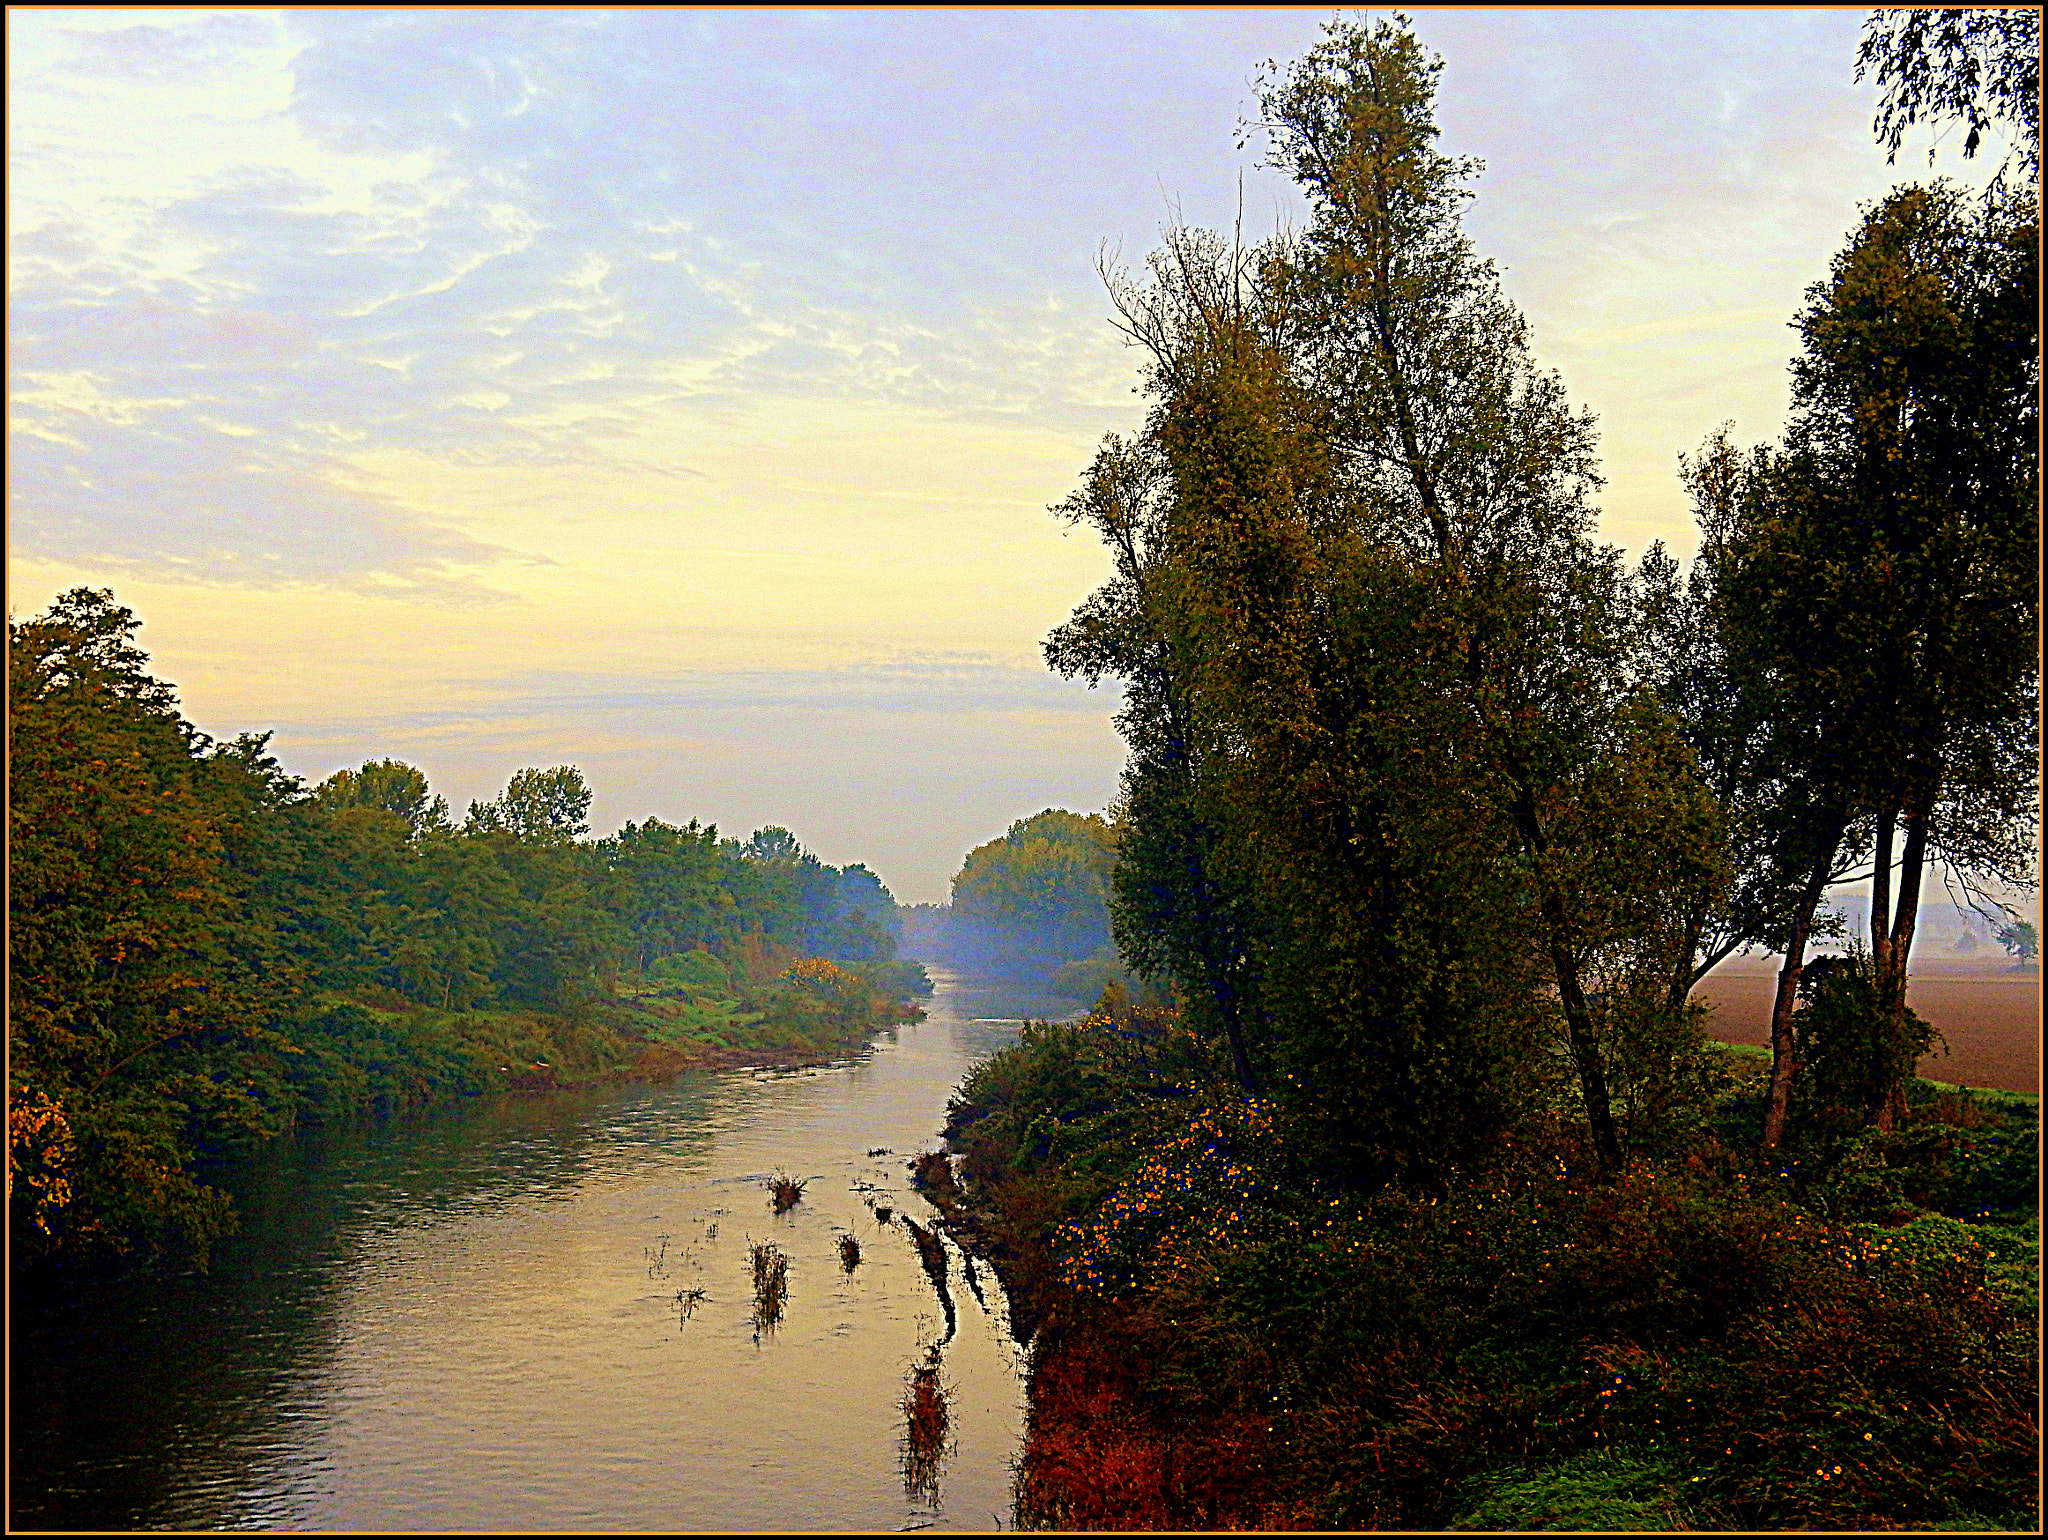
(849, 1253)
(786, 1192)
(771, 1284)
(1753, 1056)
(926, 1421)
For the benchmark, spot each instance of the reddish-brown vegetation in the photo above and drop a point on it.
(926, 1420)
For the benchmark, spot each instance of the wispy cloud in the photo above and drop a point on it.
(688, 336)
(196, 51)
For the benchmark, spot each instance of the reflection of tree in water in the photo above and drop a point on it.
(926, 1420)
(973, 1279)
(931, 1251)
(168, 1399)
(926, 1417)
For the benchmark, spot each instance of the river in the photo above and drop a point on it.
(480, 1317)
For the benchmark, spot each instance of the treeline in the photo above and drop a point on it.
(1429, 1203)
(1031, 905)
(205, 951)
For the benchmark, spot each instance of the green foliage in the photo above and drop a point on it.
(899, 978)
(1878, 578)
(693, 972)
(1979, 66)
(141, 974)
(2018, 938)
(1526, 1349)
(1850, 1050)
(386, 786)
(1085, 978)
(204, 953)
(1953, 1152)
(1398, 818)
(839, 912)
(543, 806)
(1432, 1204)
(352, 1059)
(1594, 1492)
(1046, 881)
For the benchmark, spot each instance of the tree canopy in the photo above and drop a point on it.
(1047, 876)
(1397, 812)
(205, 950)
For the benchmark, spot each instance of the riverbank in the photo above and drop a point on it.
(378, 1053)
(481, 1316)
(1225, 1339)
(344, 1058)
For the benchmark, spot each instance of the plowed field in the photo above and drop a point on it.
(1990, 1018)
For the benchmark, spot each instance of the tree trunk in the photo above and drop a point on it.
(1683, 973)
(1779, 1107)
(1585, 1042)
(1881, 893)
(1583, 1036)
(1888, 1077)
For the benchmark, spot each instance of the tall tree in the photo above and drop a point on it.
(1976, 67)
(1047, 877)
(1375, 659)
(1174, 914)
(1878, 592)
(138, 968)
(548, 807)
(387, 786)
(1914, 429)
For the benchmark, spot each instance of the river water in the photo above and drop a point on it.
(480, 1318)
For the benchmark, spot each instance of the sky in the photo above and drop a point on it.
(681, 394)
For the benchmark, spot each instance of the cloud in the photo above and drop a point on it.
(192, 52)
(907, 685)
(59, 242)
(143, 487)
(614, 217)
(545, 238)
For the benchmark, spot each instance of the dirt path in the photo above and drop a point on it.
(1991, 1020)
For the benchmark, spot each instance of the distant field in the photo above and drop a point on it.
(1990, 1018)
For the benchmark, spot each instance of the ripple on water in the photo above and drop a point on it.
(447, 1322)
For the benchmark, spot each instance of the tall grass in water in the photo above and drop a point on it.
(786, 1192)
(849, 1253)
(926, 1420)
(930, 1251)
(771, 1284)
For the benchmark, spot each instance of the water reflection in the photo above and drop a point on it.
(538, 1314)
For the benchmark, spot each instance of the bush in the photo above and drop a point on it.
(354, 1060)
(1252, 1343)
(1849, 1054)
(898, 979)
(690, 973)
